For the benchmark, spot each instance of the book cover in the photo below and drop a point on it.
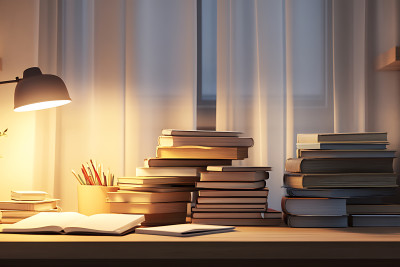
(233, 176)
(199, 152)
(211, 141)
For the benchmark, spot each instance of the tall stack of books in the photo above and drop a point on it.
(334, 171)
(24, 204)
(234, 196)
(164, 188)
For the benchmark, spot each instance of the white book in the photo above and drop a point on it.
(184, 230)
(28, 195)
(169, 171)
(73, 222)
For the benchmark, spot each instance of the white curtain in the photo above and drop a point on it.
(296, 66)
(130, 68)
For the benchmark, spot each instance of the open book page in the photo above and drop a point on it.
(105, 223)
(45, 222)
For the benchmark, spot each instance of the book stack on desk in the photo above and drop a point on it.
(234, 196)
(24, 204)
(333, 170)
(166, 183)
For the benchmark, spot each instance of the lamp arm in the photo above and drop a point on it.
(17, 79)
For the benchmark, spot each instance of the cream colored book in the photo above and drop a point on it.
(183, 230)
(205, 141)
(148, 208)
(73, 222)
(29, 195)
(169, 171)
(176, 132)
(201, 152)
(35, 205)
(147, 197)
(22, 213)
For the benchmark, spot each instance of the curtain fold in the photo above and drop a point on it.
(130, 70)
(289, 67)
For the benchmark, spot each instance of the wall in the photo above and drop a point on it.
(18, 51)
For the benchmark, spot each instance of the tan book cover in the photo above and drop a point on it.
(233, 176)
(211, 141)
(199, 152)
(38, 205)
(157, 180)
(147, 208)
(148, 197)
(158, 162)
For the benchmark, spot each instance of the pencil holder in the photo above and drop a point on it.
(92, 199)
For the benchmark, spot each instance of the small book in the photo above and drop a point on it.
(231, 185)
(148, 197)
(337, 180)
(28, 195)
(342, 146)
(238, 169)
(21, 213)
(233, 206)
(73, 222)
(228, 200)
(341, 192)
(314, 206)
(240, 222)
(144, 180)
(157, 162)
(341, 137)
(169, 141)
(184, 230)
(201, 152)
(381, 220)
(271, 214)
(169, 171)
(317, 153)
(315, 221)
(156, 188)
(148, 208)
(175, 132)
(240, 209)
(233, 176)
(34, 205)
(234, 193)
(339, 165)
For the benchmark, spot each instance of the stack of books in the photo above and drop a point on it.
(234, 196)
(24, 204)
(334, 171)
(164, 188)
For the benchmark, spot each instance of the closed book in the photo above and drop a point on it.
(199, 152)
(241, 209)
(232, 206)
(234, 193)
(28, 195)
(157, 162)
(183, 230)
(144, 180)
(238, 168)
(341, 137)
(231, 200)
(231, 185)
(238, 215)
(317, 153)
(233, 176)
(339, 165)
(148, 197)
(342, 146)
(373, 209)
(169, 171)
(213, 141)
(176, 132)
(314, 206)
(316, 221)
(164, 218)
(147, 208)
(240, 222)
(157, 189)
(382, 220)
(38, 205)
(341, 193)
(339, 180)
(11, 220)
(22, 213)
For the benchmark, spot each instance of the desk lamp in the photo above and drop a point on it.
(38, 91)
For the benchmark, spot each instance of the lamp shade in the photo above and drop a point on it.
(39, 91)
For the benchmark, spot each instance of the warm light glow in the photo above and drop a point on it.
(42, 105)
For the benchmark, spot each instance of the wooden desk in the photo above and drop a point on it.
(257, 243)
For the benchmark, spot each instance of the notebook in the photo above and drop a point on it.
(184, 230)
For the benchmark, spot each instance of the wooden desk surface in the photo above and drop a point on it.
(244, 243)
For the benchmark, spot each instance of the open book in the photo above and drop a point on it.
(73, 222)
(185, 230)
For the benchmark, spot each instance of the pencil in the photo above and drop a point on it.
(77, 178)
